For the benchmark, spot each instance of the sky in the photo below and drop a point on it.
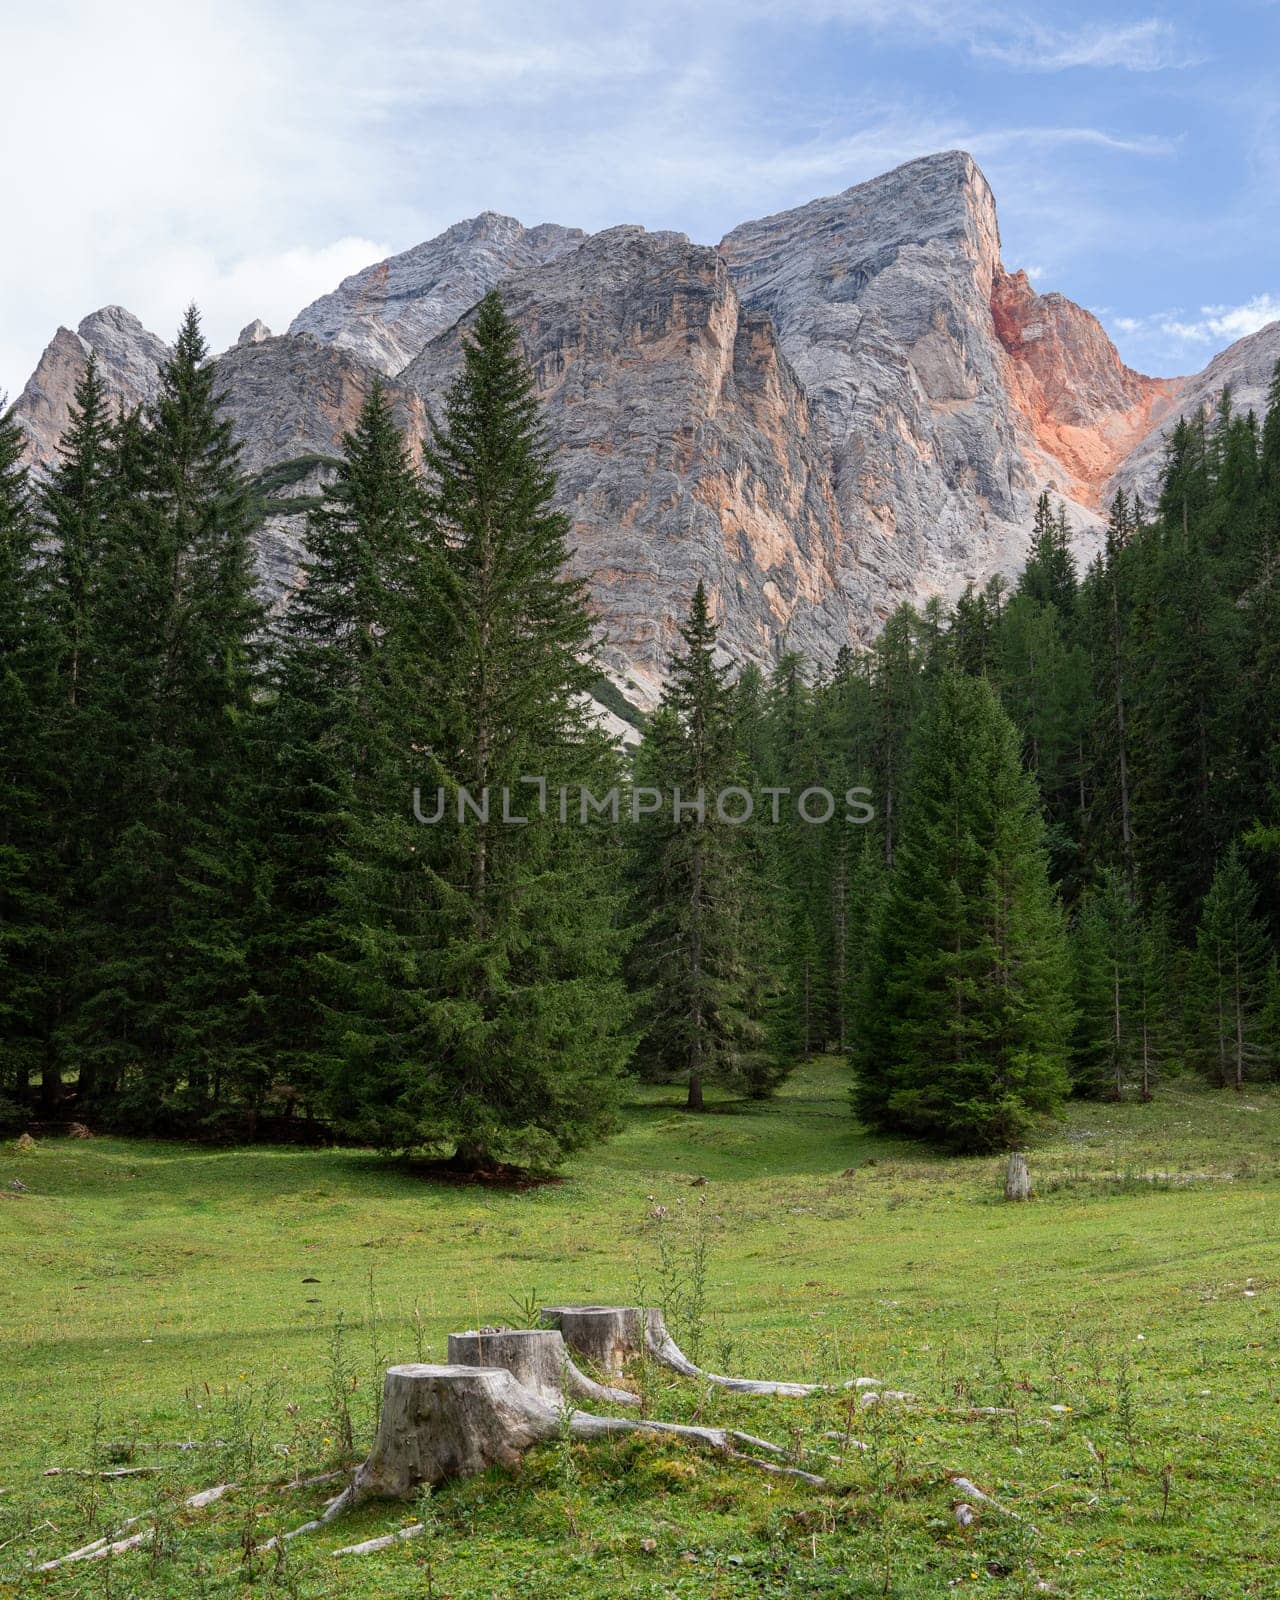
(248, 154)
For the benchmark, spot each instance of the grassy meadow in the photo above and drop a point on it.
(244, 1301)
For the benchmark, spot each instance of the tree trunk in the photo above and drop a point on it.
(538, 1357)
(1017, 1182)
(441, 1422)
(694, 1102)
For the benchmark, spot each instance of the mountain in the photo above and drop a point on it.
(386, 313)
(129, 359)
(1246, 367)
(1086, 410)
(684, 445)
(291, 397)
(844, 406)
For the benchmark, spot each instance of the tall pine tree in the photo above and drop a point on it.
(965, 1005)
(484, 1012)
(696, 961)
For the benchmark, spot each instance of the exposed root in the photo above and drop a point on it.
(384, 1543)
(112, 1545)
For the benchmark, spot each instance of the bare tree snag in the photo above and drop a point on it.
(538, 1357)
(606, 1336)
(450, 1421)
(1017, 1181)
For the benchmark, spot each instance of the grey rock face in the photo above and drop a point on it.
(294, 395)
(254, 332)
(129, 362)
(882, 301)
(387, 312)
(1245, 366)
(684, 446)
(290, 399)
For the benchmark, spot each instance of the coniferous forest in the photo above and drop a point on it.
(225, 906)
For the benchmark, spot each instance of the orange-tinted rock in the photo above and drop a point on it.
(1085, 409)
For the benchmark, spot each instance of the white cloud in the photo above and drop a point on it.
(1010, 37)
(1148, 46)
(273, 286)
(1214, 324)
(1234, 322)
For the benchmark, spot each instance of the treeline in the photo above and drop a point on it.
(220, 906)
(217, 904)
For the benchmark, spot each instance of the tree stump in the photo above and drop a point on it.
(539, 1359)
(611, 1335)
(606, 1336)
(1017, 1181)
(450, 1421)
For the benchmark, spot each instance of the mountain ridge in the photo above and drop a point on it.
(839, 407)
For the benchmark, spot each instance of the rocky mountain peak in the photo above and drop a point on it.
(881, 298)
(387, 312)
(129, 362)
(845, 405)
(684, 447)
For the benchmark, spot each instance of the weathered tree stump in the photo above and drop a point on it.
(606, 1336)
(538, 1357)
(447, 1421)
(611, 1335)
(442, 1422)
(1017, 1180)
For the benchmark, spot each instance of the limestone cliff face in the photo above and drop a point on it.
(1085, 410)
(882, 301)
(129, 361)
(294, 395)
(1246, 367)
(386, 313)
(685, 449)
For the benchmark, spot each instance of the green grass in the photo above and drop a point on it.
(155, 1293)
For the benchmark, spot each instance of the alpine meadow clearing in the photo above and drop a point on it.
(1101, 1363)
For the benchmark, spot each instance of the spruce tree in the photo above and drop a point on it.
(1045, 687)
(29, 879)
(1233, 956)
(695, 962)
(352, 683)
(965, 1005)
(1108, 607)
(1104, 949)
(1049, 577)
(483, 1013)
(167, 1009)
(1153, 995)
(76, 503)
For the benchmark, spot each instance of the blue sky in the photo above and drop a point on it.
(249, 153)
